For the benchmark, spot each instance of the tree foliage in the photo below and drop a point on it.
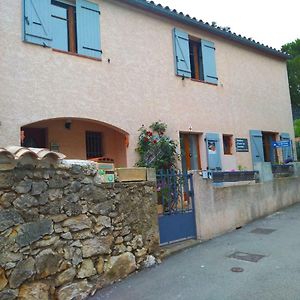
(293, 65)
(297, 128)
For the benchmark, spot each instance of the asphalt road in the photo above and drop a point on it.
(204, 272)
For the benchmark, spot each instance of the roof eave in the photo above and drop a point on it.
(180, 17)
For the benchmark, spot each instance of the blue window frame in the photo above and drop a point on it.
(63, 26)
(66, 25)
(194, 58)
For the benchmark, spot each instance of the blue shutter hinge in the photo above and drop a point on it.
(92, 49)
(27, 20)
(91, 9)
(214, 77)
(207, 46)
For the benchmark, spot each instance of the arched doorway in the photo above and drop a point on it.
(78, 139)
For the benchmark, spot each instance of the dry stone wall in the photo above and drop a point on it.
(63, 233)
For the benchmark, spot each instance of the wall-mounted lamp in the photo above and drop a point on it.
(68, 124)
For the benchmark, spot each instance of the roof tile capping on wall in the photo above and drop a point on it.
(13, 156)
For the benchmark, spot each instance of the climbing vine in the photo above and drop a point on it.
(155, 149)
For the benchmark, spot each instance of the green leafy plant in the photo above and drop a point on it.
(297, 127)
(298, 150)
(155, 149)
(159, 127)
(293, 65)
(241, 168)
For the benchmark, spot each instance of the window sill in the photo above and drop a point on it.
(76, 54)
(198, 80)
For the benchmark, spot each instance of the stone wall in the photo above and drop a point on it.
(63, 233)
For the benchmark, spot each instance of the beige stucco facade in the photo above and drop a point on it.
(139, 85)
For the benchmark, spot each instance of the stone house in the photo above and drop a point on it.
(81, 77)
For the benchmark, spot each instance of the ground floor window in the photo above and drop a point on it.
(227, 144)
(34, 137)
(93, 144)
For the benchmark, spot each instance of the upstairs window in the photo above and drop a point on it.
(67, 25)
(194, 58)
(63, 26)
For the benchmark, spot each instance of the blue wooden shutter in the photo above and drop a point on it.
(182, 53)
(213, 152)
(287, 153)
(88, 28)
(36, 22)
(257, 147)
(272, 150)
(209, 61)
(59, 26)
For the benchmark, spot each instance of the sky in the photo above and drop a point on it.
(271, 22)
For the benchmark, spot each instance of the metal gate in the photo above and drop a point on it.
(175, 206)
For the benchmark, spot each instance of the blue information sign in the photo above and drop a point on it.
(282, 144)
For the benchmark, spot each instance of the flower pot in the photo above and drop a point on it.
(131, 174)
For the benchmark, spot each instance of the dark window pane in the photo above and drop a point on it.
(93, 144)
(227, 144)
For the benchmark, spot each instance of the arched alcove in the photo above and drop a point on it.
(78, 139)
